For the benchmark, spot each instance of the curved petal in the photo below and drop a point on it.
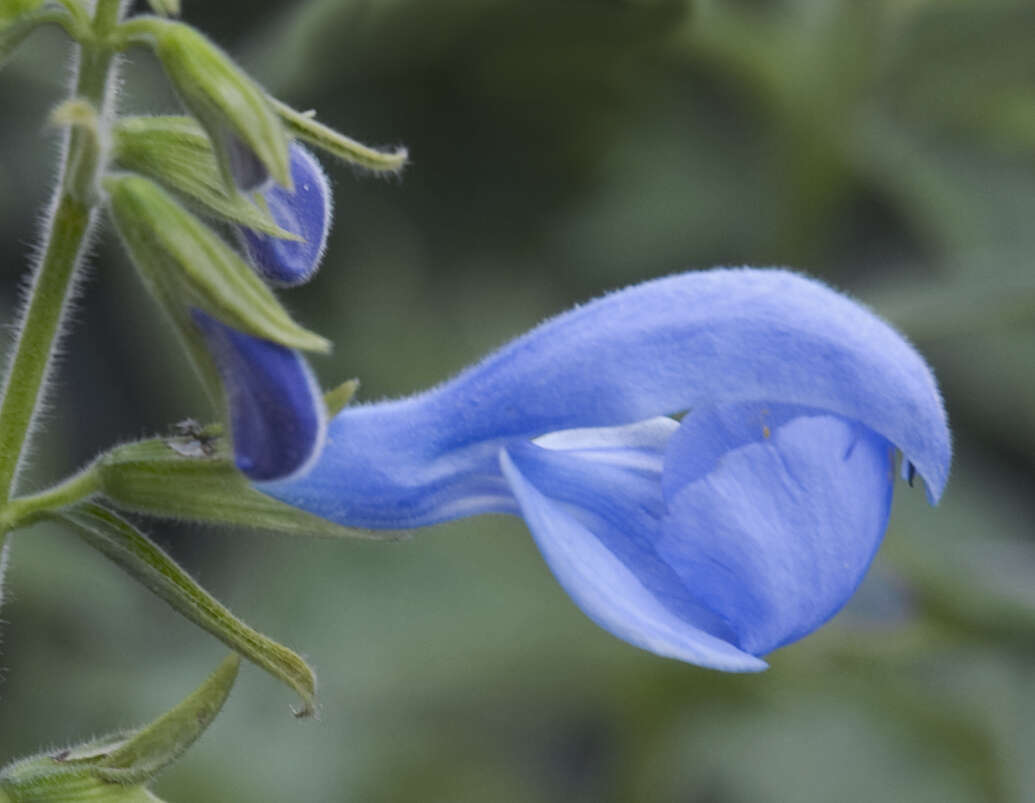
(304, 210)
(775, 532)
(619, 501)
(662, 347)
(605, 587)
(710, 337)
(277, 415)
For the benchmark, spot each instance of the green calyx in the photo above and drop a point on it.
(193, 478)
(245, 131)
(305, 127)
(185, 264)
(176, 152)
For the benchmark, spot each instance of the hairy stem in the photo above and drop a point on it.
(27, 509)
(54, 278)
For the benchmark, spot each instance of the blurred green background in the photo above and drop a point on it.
(561, 148)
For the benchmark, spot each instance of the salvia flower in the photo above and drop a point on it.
(715, 538)
(304, 210)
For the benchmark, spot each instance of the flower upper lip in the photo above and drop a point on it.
(721, 336)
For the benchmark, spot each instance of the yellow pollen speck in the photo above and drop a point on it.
(765, 431)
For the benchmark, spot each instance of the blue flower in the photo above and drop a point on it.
(713, 539)
(304, 210)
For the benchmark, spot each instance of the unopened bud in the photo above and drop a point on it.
(277, 414)
(245, 131)
(304, 211)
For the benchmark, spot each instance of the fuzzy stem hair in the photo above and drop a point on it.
(66, 236)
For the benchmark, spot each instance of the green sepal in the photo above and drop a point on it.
(186, 264)
(114, 768)
(337, 399)
(134, 552)
(231, 107)
(303, 125)
(193, 478)
(176, 152)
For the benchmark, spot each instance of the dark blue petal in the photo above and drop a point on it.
(277, 415)
(304, 210)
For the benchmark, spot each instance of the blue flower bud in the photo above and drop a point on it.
(305, 211)
(277, 415)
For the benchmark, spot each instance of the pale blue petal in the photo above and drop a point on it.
(607, 590)
(378, 471)
(277, 414)
(662, 347)
(619, 501)
(775, 532)
(710, 337)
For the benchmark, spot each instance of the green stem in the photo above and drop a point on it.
(55, 275)
(27, 509)
(41, 324)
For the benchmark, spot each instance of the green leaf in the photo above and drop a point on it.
(113, 768)
(157, 745)
(231, 107)
(176, 152)
(305, 127)
(194, 479)
(185, 263)
(133, 551)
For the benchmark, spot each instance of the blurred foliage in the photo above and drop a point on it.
(560, 149)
